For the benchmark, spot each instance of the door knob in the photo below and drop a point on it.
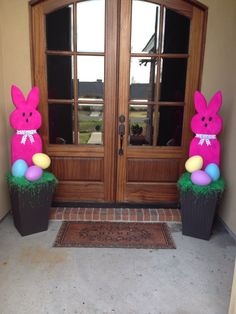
(121, 133)
(121, 118)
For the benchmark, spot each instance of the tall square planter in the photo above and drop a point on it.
(198, 206)
(31, 202)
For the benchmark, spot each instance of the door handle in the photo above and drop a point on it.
(121, 133)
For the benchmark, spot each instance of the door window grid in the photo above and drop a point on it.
(157, 103)
(161, 12)
(76, 87)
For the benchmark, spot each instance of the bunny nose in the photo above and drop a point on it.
(27, 120)
(205, 124)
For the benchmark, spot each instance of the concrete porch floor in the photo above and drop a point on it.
(36, 278)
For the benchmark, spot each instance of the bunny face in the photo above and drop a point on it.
(207, 121)
(25, 117)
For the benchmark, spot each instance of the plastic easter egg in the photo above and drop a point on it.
(194, 163)
(19, 168)
(213, 171)
(41, 160)
(200, 177)
(33, 173)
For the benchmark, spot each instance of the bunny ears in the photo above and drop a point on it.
(201, 104)
(19, 99)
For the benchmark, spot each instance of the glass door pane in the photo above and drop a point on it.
(61, 123)
(59, 29)
(59, 77)
(173, 79)
(176, 28)
(143, 79)
(90, 26)
(170, 121)
(145, 27)
(140, 124)
(90, 124)
(90, 77)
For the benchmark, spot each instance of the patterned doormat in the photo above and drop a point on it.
(114, 235)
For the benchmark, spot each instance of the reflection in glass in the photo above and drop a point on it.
(143, 78)
(90, 26)
(90, 119)
(145, 27)
(173, 79)
(170, 126)
(140, 124)
(59, 77)
(59, 29)
(175, 32)
(61, 127)
(91, 77)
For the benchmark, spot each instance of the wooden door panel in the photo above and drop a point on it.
(68, 191)
(151, 192)
(78, 169)
(152, 170)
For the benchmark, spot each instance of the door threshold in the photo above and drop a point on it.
(115, 205)
(111, 214)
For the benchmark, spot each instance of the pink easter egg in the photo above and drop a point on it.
(200, 177)
(33, 173)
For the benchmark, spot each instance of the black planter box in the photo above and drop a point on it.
(198, 213)
(31, 207)
(198, 206)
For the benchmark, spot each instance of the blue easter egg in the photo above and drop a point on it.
(213, 171)
(19, 168)
(200, 177)
(33, 173)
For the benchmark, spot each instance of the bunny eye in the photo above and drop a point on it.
(30, 114)
(203, 118)
(210, 118)
(23, 114)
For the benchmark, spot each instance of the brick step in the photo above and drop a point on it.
(116, 214)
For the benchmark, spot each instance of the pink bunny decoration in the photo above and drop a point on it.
(25, 119)
(206, 124)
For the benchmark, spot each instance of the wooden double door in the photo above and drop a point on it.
(117, 79)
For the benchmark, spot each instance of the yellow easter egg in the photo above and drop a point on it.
(41, 160)
(194, 163)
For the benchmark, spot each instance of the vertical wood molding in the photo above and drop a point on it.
(75, 84)
(193, 75)
(124, 71)
(39, 58)
(110, 112)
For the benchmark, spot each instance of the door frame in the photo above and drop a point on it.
(114, 187)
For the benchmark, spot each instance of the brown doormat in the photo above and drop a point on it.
(115, 235)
